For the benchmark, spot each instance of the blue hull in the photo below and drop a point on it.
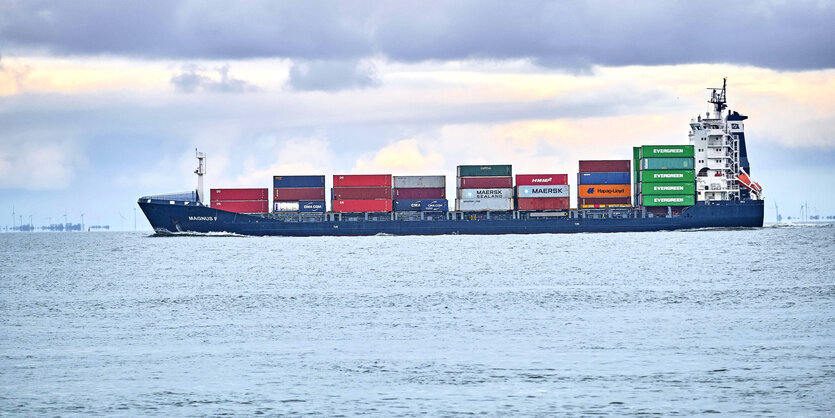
(170, 216)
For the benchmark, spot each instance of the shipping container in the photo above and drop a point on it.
(682, 200)
(379, 205)
(541, 179)
(242, 206)
(420, 193)
(542, 191)
(651, 151)
(666, 188)
(485, 182)
(667, 163)
(544, 203)
(420, 182)
(312, 206)
(360, 193)
(362, 180)
(485, 170)
(286, 207)
(668, 176)
(298, 193)
(421, 205)
(485, 193)
(607, 206)
(283, 182)
(605, 190)
(472, 205)
(604, 201)
(239, 194)
(301, 206)
(604, 166)
(603, 178)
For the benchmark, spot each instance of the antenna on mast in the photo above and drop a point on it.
(717, 97)
(201, 170)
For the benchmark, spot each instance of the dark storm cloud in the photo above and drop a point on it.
(193, 79)
(332, 75)
(784, 35)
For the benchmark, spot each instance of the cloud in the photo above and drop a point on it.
(193, 79)
(333, 75)
(38, 164)
(568, 35)
(404, 157)
(293, 156)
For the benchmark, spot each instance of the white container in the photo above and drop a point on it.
(485, 194)
(286, 206)
(419, 182)
(472, 205)
(543, 191)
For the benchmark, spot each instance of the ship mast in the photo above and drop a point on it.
(201, 170)
(717, 98)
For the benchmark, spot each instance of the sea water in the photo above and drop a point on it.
(740, 322)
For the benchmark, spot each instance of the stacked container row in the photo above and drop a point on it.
(361, 193)
(240, 200)
(299, 194)
(604, 184)
(542, 192)
(665, 175)
(484, 188)
(420, 194)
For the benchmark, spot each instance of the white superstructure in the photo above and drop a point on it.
(718, 142)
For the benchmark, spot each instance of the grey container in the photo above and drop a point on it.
(474, 205)
(419, 182)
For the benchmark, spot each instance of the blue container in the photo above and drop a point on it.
(603, 178)
(421, 205)
(284, 182)
(311, 206)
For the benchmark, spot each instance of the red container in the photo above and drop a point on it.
(362, 180)
(543, 203)
(239, 194)
(541, 179)
(299, 193)
(604, 200)
(428, 193)
(361, 193)
(485, 182)
(361, 205)
(242, 206)
(604, 166)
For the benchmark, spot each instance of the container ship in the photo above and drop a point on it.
(705, 184)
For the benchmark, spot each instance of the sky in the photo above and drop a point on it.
(104, 102)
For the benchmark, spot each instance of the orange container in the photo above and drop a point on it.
(604, 190)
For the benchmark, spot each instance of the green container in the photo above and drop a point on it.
(673, 200)
(667, 189)
(485, 170)
(636, 159)
(668, 176)
(653, 151)
(667, 163)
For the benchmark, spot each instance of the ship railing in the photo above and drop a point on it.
(190, 196)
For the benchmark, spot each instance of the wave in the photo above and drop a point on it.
(163, 233)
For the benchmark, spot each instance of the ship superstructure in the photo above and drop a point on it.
(721, 156)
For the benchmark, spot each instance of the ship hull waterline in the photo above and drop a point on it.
(166, 218)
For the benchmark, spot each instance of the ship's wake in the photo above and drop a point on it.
(164, 233)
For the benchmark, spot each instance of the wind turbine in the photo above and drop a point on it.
(13, 219)
(121, 221)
